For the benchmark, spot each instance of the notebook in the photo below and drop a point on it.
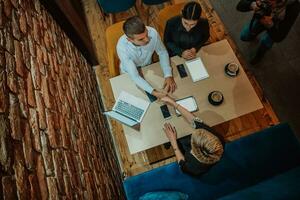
(128, 109)
(188, 103)
(197, 69)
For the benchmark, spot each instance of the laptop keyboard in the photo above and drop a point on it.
(129, 110)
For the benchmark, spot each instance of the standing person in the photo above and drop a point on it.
(195, 153)
(272, 18)
(185, 34)
(135, 49)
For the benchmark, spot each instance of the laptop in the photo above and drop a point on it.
(129, 110)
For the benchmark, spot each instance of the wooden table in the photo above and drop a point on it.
(239, 96)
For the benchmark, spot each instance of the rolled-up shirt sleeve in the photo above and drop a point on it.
(164, 59)
(130, 68)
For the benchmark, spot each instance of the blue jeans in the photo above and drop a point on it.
(257, 28)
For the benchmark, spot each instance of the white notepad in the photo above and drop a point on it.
(197, 69)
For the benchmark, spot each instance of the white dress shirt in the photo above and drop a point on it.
(132, 56)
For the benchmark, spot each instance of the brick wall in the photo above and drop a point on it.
(53, 140)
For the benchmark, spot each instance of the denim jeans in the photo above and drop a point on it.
(257, 28)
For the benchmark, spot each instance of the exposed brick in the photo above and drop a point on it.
(51, 132)
(27, 146)
(20, 172)
(46, 153)
(3, 93)
(30, 92)
(7, 8)
(83, 155)
(20, 68)
(37, 6)
(88, 186)
(40, 171)
(35, 73)
(34, 187)
(67, 185)
(52, 87)
(51, 67)
(14, 117)
(47, 40)
(71, 169)
(52, 186)
(4, 151)
(66, 143)
(36, 30)
(15, 25)
(9, 188)
(26, 53)
(9, 41)
(32, 48)
(35, 132)
(14, 3)
(41, 110)
(22, 98)
(22, 21)
(47, 98)
(2, 57)
(40, 60)
(45, 55)
(2, 18)
(58, 166)
(28, 13)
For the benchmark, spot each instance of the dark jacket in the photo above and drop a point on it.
(282, 28)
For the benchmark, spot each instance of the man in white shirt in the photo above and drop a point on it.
(135, 49)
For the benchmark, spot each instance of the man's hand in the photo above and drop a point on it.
(158, 94)
(188, 54)
(171, 133)
(170, 85)
(168, 100)
(266, 21)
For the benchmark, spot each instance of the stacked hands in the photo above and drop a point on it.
(168, 88)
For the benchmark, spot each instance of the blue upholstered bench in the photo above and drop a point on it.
(248, 162)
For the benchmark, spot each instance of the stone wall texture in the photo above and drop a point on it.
(54, 143)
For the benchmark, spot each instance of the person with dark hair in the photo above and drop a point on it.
(198, 152)
(135, 49)
(272, 18)
(185, 34)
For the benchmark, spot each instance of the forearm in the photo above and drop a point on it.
(184, 112)
(164, 62)
(178, 154)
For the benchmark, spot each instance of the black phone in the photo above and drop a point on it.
(165, 111)
(151, 97)
(181, 70)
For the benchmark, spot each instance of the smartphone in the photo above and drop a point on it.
(151, 97)
(165, 111)
(181, 71)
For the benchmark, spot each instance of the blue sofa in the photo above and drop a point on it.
(263, 165)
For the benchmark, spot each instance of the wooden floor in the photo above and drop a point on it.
(143, 161)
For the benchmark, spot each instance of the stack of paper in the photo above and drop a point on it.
(197, 69)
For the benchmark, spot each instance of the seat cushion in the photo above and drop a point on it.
(283, 186)
(166, 195)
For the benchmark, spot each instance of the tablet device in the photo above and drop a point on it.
(188, 103)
